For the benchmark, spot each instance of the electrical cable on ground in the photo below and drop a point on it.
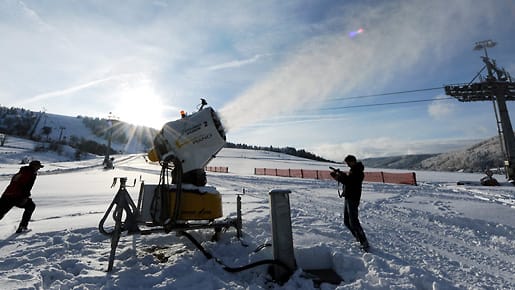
(233, 269)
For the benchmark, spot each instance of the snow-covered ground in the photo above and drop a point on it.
(436, 235)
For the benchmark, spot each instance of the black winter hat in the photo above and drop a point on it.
(36, 163)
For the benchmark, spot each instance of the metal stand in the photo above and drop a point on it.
(125, 206)
(123, 202)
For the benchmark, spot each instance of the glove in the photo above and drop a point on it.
(336, 174)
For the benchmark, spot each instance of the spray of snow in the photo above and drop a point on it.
(335, 63)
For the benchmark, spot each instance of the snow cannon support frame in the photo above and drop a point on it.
(124, 206)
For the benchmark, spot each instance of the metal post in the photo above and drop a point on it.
(282, 237)
(239, 222)
(107, 159)
(508, 136)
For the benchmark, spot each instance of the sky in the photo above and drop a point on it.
(313, 75)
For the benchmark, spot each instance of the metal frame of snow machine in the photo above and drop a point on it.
(165, 208)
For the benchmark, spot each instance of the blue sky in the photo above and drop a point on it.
(281, 73)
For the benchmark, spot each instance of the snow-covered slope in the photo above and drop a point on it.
(47, 127)
(477, 158)
(484, 155)
(66, 126)
(433, 236)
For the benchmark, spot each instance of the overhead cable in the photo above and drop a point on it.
(384, 104)
(391, 93)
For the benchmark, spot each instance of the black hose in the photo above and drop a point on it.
(234, 269)
(261, 247)
(178, 189)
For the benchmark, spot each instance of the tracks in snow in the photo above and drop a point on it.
(444, 245)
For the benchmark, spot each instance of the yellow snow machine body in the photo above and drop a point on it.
(196, 203)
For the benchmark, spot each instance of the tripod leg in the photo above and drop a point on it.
(115, 235)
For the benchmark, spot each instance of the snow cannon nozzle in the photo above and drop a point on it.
(193, 140)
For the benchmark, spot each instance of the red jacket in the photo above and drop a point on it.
(21, 183)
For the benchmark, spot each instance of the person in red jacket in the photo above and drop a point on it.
(352, 184)
(17, 193)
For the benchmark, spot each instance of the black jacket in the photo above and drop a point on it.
(353, 181)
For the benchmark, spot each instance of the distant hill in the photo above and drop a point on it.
(397, 162)
(477, 158)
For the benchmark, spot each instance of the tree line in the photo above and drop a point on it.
(286, 150)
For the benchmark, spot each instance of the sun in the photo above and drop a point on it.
(139, 104)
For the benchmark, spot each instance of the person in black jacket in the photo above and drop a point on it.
(17, 193)
(352, 183)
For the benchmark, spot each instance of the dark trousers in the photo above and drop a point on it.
(7, 203)
(351, 220)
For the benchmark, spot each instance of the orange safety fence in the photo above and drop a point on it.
(400, 178)
(383, 177)
(312, 174)
(221, 169)
(374, 176)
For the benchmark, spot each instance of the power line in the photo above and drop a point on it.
(385, 104)
(309, 118)
(391, 93)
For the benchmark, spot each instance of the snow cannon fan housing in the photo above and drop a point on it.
(194, 140)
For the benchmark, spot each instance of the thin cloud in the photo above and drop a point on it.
(439, 110)
(34, 17)
(71, 90)
(236, 63)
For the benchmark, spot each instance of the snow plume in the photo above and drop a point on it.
(311, 73)
(399, 38)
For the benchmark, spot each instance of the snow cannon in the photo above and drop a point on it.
(180, 201)
(188, 144)
(193, 140)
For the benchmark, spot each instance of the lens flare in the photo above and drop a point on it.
(353, 34)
